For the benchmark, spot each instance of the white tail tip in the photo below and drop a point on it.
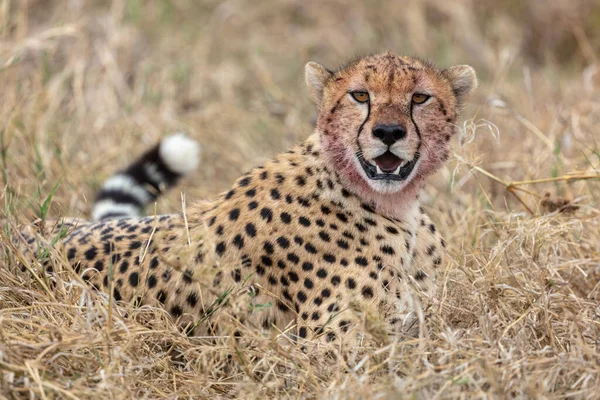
(180, 153)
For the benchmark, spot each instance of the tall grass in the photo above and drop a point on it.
(85, 84)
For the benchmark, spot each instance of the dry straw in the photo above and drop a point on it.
(86, 84)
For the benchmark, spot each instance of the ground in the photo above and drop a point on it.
(517, 314)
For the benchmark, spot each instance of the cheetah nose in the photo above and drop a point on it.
(389, 134)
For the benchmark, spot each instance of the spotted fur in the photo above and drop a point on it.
(307, 239)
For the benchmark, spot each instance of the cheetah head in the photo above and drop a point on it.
(385, 121)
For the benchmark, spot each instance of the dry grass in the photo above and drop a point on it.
(84, 84)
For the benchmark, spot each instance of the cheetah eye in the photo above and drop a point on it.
(361, 97)
(419, 98)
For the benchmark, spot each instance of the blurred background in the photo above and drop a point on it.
(86, 85)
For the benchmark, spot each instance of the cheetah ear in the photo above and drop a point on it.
(463, 81)
(316, 76)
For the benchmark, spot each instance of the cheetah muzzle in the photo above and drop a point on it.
(388, 166)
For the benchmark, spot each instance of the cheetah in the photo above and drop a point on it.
(315, 239)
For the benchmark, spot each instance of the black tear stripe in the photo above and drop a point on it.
(360, 129)
(416, 127)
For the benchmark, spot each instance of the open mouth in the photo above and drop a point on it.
(388, 166)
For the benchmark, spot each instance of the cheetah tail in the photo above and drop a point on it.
(126, 193)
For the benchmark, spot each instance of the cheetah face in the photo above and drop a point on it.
(385, 121)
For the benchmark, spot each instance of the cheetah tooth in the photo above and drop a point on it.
(397, 171)
(379, 171)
